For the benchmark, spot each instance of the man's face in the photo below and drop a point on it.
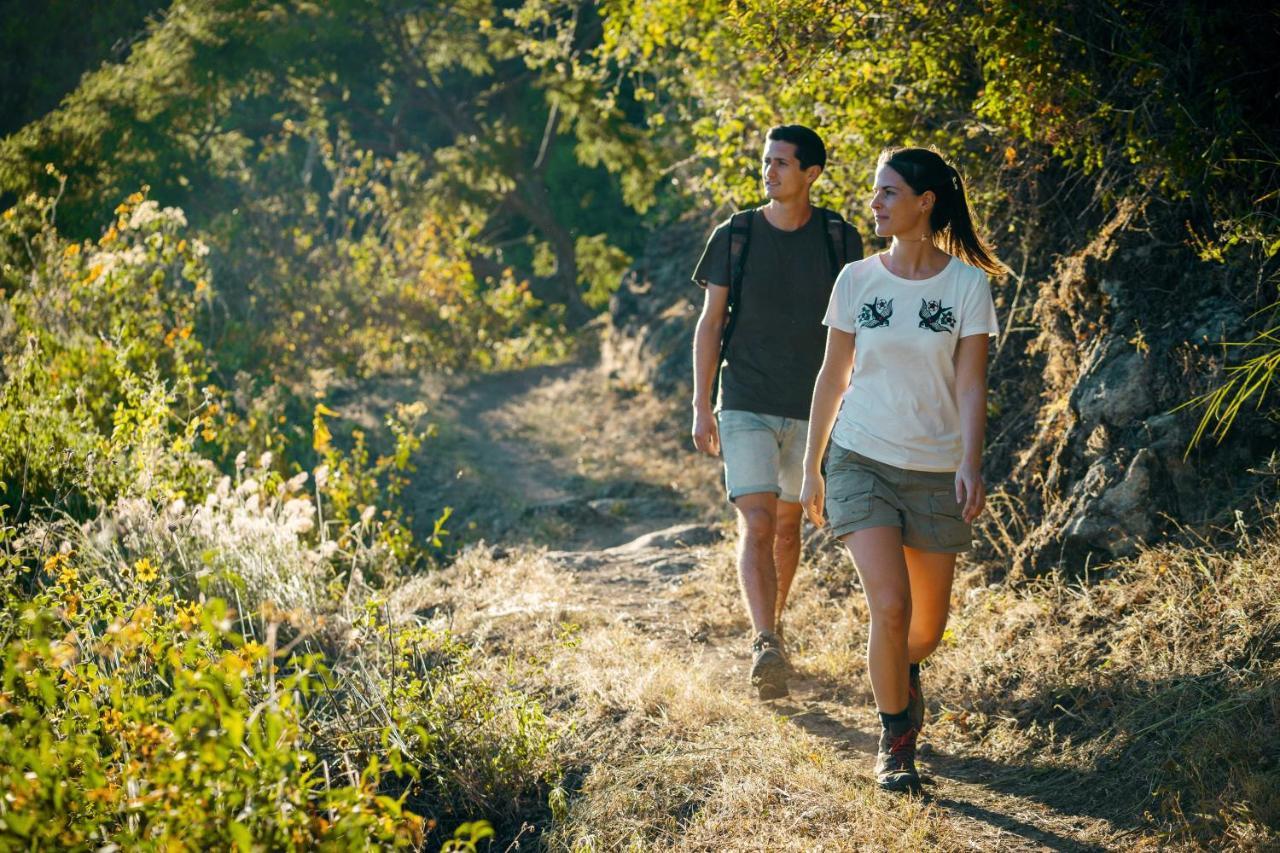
(781, 174)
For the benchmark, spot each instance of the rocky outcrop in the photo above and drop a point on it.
(1128, 332)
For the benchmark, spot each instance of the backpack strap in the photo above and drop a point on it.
(835, 232)
(735, 265)
(739, 245)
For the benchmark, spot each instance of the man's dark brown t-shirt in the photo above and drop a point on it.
(778, 341)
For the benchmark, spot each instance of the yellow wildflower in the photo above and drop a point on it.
(188, 616)
(112, 720)
(235, 665)
(145, 570)
(111, 234)
(209, 433)
(106, 794)
(135, 198)
(72, 250)
(10, 213)
(57, 564)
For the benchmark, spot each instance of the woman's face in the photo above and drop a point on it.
(898, 210)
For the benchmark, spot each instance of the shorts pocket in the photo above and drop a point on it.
(950, 530)
(849, 500)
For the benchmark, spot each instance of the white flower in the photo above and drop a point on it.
(144, 214)
(367, 515)
(265, 460)
(240, 460)
(322, 476)
(295, 482)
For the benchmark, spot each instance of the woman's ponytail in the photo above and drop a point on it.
(950, 222)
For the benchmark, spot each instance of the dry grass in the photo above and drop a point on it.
(1156, 690)
(612, 436)
(1137, 710)
(667, 752)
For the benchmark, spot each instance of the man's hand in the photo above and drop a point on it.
(813, 495)
(706, 434)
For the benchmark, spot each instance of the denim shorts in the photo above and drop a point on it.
(863, 493)
(762, 453)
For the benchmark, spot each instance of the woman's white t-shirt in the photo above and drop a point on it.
(900, 408)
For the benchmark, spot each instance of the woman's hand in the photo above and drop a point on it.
(971, 494)
(812, 495)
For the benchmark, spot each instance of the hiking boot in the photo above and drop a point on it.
(768, 666)
(915, 699)
(896, 761)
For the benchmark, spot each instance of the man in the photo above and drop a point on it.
(768, 274)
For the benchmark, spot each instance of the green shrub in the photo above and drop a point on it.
(104, 381)
(136, 717)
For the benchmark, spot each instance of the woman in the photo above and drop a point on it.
(903, 480)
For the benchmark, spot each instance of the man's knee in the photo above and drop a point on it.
(757, 524)
(786, 532)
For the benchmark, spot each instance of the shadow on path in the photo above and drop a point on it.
(1055, 788)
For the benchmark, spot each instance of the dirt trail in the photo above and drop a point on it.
(645, 565)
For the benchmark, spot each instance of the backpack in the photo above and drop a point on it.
(740, 243)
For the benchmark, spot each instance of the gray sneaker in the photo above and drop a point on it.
(769, 666)
(896, 761)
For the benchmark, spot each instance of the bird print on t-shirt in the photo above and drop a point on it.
(875, 313)
(935, 317)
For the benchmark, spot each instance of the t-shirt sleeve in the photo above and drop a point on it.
(979, 312)
(840, 307)
(713, 267)
(853, 244)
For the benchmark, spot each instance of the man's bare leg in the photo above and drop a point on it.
(757, 572)
(786, 552)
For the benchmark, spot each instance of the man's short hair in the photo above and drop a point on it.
(809, 148)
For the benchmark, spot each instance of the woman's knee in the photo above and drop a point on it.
(920, 647)
(892, 612)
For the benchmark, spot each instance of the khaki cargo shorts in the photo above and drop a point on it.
(863, 493)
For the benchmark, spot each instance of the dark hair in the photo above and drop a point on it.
(809, 148)
(950, 223)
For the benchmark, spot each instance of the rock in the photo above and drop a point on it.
(1115, 392)
(1112, 514)
(679, 536)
